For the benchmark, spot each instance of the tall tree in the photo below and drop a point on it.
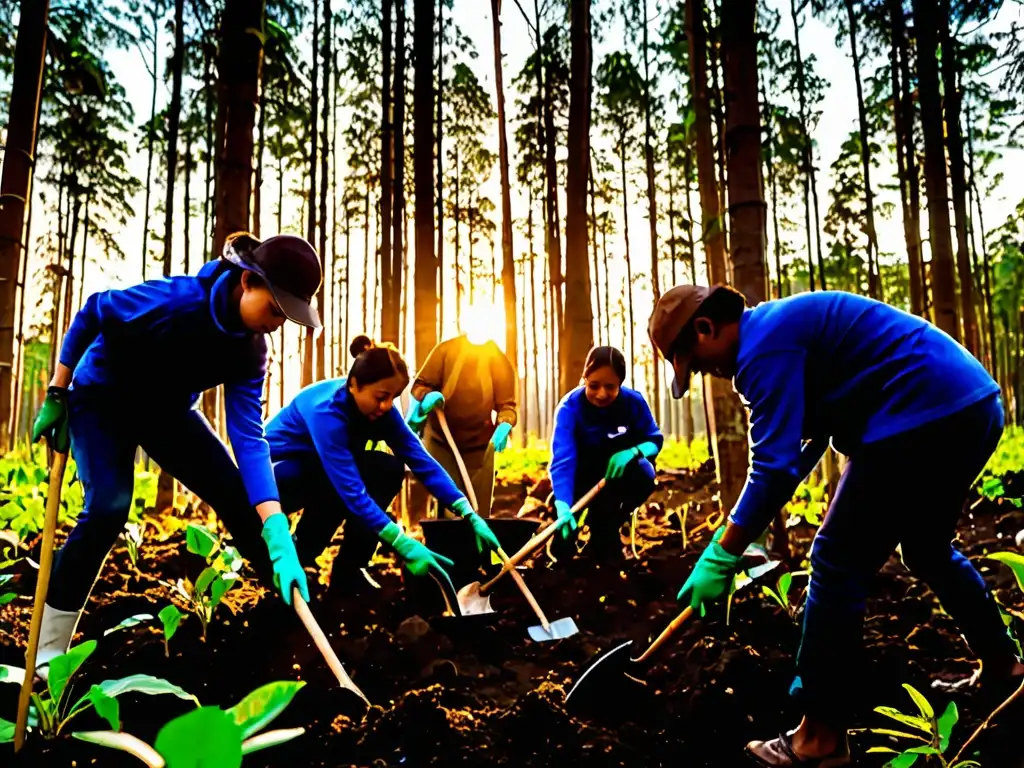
(398, 160)
(173, 123)
(389, 316)
(423, 178)
(325, 155)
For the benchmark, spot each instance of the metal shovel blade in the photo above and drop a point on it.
(602, 672)
(560, 629)
(471, 602)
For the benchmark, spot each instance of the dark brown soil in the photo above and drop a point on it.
(477, 691)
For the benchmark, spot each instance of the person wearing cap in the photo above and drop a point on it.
(132, 366)
(327, 461)
(602, 430)
(887, 389)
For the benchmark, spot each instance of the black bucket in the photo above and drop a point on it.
(454, 539)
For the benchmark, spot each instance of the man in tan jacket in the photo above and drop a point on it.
(476, 386)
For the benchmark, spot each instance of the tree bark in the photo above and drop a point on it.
(440, 172)
(425, 277)
(389, 330)
(149, 143)
(15, 185)
(577, 333)
(943, 278)
(325, 149)
(174, 122)
(652, 199)
(398, 188)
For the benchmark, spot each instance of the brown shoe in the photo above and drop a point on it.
(778, 753)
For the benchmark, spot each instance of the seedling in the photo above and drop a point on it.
(6, 597)
(171, 618)
(219, 576)
(210, 737)
(931, 733)
(133, 540)
(52, 709)
(781, 594)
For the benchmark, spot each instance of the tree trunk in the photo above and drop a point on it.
(808, 161)
(149, 142)
(367, 285)
(534, 370)
(719, 117)
(325, 150)
(577, 335)
(15, 185)
(943, 278)
(652, 200)
(398, 189)
(174, 122)
(85, 248)
(425, 277)
(508, 266)
(607, 288)
(903, 119)
(630, 327)
(308, 355)
(188, 203)
(985, 266)
(458, 217)
(593, 243)
(773, 186)
(389, 330)
(440, 176)
(211, 95)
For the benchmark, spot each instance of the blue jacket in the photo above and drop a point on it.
(836, 365)
(164, 342)
(323, 422)
(586, 436)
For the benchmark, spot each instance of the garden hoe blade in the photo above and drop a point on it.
(601, 675)
(556, 630)
(472, 603)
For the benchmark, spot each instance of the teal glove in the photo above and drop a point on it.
(500, 437)
(288, 571)
(52, 420)
(566, 519)
(418, 559)
(619, 461)
(430, 401)
(484, 535)
(648, 450)
(711, 577)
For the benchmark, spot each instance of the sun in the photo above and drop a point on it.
(483, 322)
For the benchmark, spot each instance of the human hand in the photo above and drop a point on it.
(566, 520)
(711, 577)
(500, 437)
(288, 571)
(52, 420)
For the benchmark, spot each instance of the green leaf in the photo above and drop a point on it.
(270, 739)
(124, 742)
(992, 488)
(199, 540)
(905, 760)
(901, 734)
(106, 706)
(889, 750)
(259, 708)
(220, 588)
(913, 722)
(205, 579)
(946, 724)
(6, 731)
(207, 737)
(785, 582)
(1015, 562)
(7, 597)
(926, 749)
(923, 706)
(63, 667)
(147, 684)
(130, 622)
(171, 618)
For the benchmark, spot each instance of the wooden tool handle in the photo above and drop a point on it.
(666, 633)
(42, 586)
(540, 538)
(526, 591)
(324, 645)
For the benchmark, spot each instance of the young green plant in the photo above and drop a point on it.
(931, 734)
(219, 576)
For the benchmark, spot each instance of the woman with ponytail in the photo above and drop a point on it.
(603, 429)
(323, 444)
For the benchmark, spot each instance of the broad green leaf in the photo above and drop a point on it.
(270, 739)
(923, 706)
(171, 618)
(6, 731)
(207, 737)
(888, 750)
(105, 706)
(131, 621)
(124, 742)
(785, 582)
(147, 684)
(946, 724)
(905, 760)
(913, 722)
(199, 540)
(63, 667)
(205, 579)
(1015, 562)
(901, 734)
(259, 708)
(992, 488)
(220, 588)
(925, 749)
(7, 597)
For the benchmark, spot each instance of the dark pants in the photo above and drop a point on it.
(611, 507)
(304, 485)
(105, 433)
(908, 490)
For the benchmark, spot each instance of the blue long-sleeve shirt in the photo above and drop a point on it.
(168, 340)
(323, 422)
(836, 365)
(584, 433)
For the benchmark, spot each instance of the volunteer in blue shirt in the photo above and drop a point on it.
(888, 389)
(602, 429)
(132, 366)
(324, 444)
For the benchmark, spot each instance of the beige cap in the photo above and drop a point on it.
(674, 310)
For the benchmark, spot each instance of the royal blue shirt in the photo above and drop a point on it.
(587, 435)
(833, 365)
(323, 422)
(166, 341)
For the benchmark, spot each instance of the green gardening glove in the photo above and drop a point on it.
(418, 559)
(500, 437)
(484, 535)
(52, 420)
(711, 577)
(566, 519)
(288, 571)
(619, 461)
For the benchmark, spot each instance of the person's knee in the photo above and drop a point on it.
(834, 575)
(106, 511)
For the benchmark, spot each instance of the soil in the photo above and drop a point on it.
(478, 691)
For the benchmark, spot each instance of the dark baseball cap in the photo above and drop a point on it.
(673, 312)
(291, 267)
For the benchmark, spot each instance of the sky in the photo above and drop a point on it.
(839, 108)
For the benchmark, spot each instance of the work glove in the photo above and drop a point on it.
(619, 461)
(288, 571)
(711, 577)
(566, 519)
(52, 420)
(500, 437)
(484, 535)
(418, 559)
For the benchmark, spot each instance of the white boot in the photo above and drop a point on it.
(55, 635)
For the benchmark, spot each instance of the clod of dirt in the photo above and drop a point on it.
(411, 630)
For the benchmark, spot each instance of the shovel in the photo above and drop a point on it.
(557, 630)
(475, 599)
(324, 646)
(616, 664)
